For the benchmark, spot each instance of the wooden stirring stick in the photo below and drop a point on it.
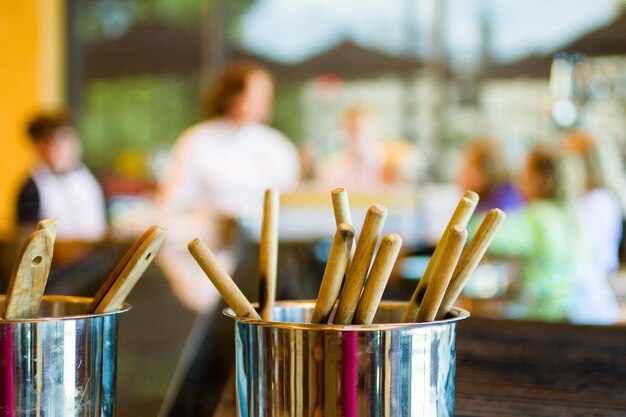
(268, 258)
(123, 284)
(29, 277)
(470, 259)
(463, 212)
(436, 289)
(108, 283)
(341, 208)
(224, 283)
(355, 278)
(333, 274)
(377, 279)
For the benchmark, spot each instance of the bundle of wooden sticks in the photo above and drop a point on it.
(366, 269)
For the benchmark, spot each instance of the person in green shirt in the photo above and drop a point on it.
(546, 235)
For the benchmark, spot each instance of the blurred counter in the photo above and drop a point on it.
(419, 213)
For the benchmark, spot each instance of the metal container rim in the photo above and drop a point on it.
(456, 314)
(66, 299)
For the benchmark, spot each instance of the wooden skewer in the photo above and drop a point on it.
(108, 283)
(268, 258)
(355, 278)
(130, 274)
(29, 277)
(341, 208)
(463, 212)
(470, 259)
(333, 274)
(222, 281)
(435, 291)
(377, 279)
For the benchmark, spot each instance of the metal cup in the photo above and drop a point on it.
(62, 364)
(289, 367)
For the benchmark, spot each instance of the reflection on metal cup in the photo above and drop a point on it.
(62, 364)
(289, 367)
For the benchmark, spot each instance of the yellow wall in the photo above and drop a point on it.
(31, 77)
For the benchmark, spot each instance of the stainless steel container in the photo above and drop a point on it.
(60, 365)
(292, 368)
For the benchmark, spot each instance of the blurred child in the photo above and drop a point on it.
(595, 301)
(59, 185)
(485, 171)
(545, 235)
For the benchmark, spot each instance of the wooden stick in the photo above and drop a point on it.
(131, 273)
(441, 276)
(29, 277)
(333, 274)
(341, 208)
(51, 226)
(355, 278)
(470, 259)
(108, 283)
(465, 216)
(463, 212)
(268, 258)
(377, 279)
(222, 281)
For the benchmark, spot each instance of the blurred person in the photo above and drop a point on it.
(218, 171)
(604, 178)
(484, 170)
(546, 235)
(60, 186)
(404, 163)
(360, 160)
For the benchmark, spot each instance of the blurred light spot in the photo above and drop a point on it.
(564, 113)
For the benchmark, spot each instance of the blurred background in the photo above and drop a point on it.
(435, 76)
(421, 82)
(437, 73)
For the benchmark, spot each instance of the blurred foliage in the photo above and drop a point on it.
(102, 19)
(136, 114)
(110, 19)
(235, 10)
(289, 116)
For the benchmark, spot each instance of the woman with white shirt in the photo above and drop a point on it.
(219, 168)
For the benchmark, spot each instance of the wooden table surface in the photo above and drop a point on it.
(515, 368)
